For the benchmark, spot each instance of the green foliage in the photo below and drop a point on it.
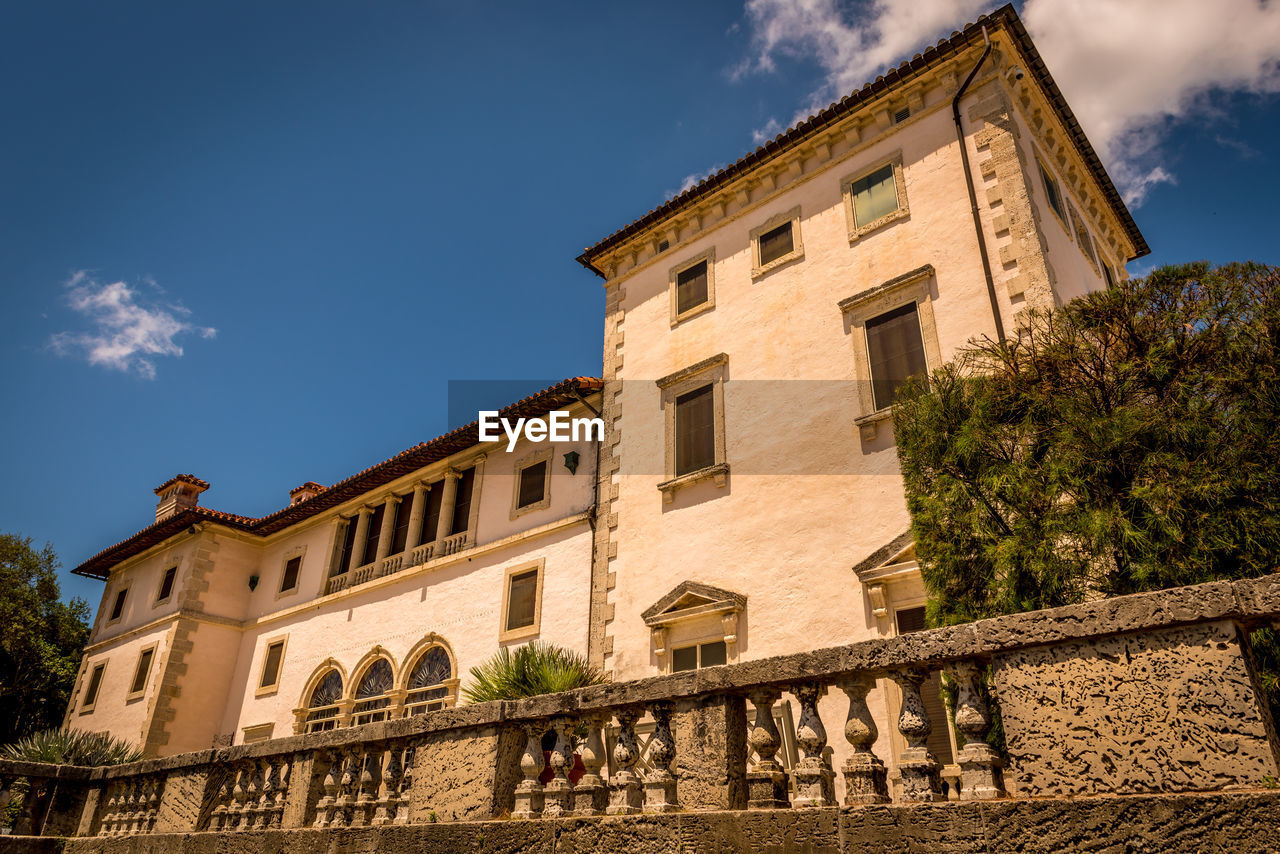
(72, 747)
(41, 640)
(536, 668)
(1126, 441)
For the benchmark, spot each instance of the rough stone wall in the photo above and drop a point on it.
(180, 804)
(1240, 823)
(1165, 711)
(458, 778)
(711, 753)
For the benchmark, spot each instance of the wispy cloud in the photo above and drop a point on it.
(125, 332)
(688, 182)
(1131, 70)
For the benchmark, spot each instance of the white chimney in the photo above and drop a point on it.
(178, 493)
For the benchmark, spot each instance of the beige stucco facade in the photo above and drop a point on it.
(792, 537)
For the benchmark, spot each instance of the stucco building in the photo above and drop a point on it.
(744, 500)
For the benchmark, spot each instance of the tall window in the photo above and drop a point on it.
(375, 532)
(1052, 192)
(691, 287)
(896, 351)
(874, 196)
(166, 584)
(271, 665)
(776, 243)
(348, 546)
(322, 707)
(95, 682)
(695, 430)
(372, 693)
(431, 519)
(462, 507)
(531, 483)
(522, 602)
(118, 608)
(142, 671)
(400, 534)
(427, 691)
(289, 580)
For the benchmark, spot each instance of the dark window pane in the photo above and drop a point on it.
(1051, 190)
(401, 535)
(714, 654)
(431, 519)
(776, 243)
(896, 351)
(290, 579)
(533, 481)
(348, 545)
(271, 667)
(691, 287)
(377, 680)
(95, 682)
(1106, 274)
(328, 692)
(684, 659)
(432, 669)
(695, 430)
(166, 586)
(144, 669)
(462, 508)
(118, 608)
(375, 530)
(874, 196)
(522, 604)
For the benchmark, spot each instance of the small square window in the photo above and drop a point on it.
(141, 673)
(522, 602)
(271, 665)
(692, 286)
(166, 584)
(95, 683)
(776, 243)
(685, 658)
(533, 484)
(896, 350)
(289, 580)
(875, 198)
(901, 115)
(117, 610)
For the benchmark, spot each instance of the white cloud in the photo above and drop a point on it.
(688, 182)
(125, 334)
(1130, 70)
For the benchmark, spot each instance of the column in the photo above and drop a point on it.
(864, 773)
(815, 781)
(920, 770)
(447, 501)
(981, 775)
(362, 537)
(388, 530)
(417, 510)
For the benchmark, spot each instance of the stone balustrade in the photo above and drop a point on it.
(392, 564)
(1146, 694)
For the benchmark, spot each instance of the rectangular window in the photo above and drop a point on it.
(271, 664)
(691, 287)
(144, 670)
(290, 579)
(431, 519)
(699, 655)
(695, 431)
(462, 507)
(939, 743)
(533, 484)
(522, 601)
(375, 531)
(1051, 191)
(348, 546)
(95, 682)
(401, 531)
(874, 196)
(1108, 276)
(895, 349)
(118, 608)
(776, 243)
(166, 584)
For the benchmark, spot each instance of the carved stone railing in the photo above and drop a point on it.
(420, 554)
(1146, 694)
(453, 544)
(392, 564)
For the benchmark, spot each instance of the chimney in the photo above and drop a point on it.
(310, 489)
(178, 493)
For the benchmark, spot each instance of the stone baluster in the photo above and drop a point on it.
(921, 780)
(590, 797)
(530, 798)
(864, 773)
(660, 783)
(625, 783)
(371, 782)
(253, 813)
(558, 793)
(405, 784)
(815, 781)
(327, 805)
(218, 816)
(130, 812)
(240, 797)
(153, 803)
(766, 781)
(388, 778)
(274, 789)
(109, 810)
(981, 770)
(348, 786)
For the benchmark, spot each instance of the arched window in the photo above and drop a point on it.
(322, 708)
(373, 693)
(427, 688)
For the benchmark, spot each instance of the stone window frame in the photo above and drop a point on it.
(1084, 238)
(298, 552)
(318, 674)
(176, 566)
(87, 708)
(254, 733)
(531, 459)
(358, 672)
(124, 588)
(903, 211)
(673, 274)
(131, 694)
(714, 372)
(265, 690)
(725, 604)
(1047, 175)
(759, 270)
(913, 286)
(506, 635)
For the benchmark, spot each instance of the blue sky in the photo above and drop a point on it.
(256, 241)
